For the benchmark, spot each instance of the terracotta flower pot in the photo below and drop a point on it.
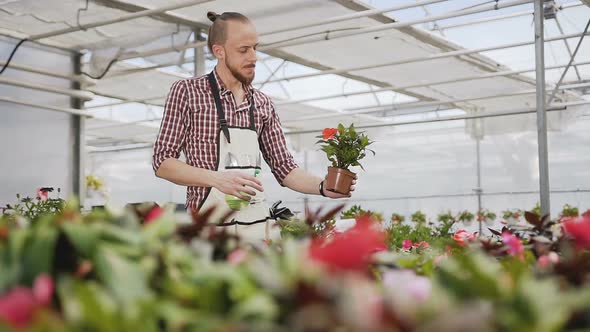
(339, 180)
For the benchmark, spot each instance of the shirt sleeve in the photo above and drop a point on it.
(274, 147)
(171, 137)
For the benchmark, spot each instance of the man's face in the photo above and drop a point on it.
(240, 51)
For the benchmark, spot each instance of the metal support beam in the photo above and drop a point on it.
(123, 18)
(75, 78)
(540, 109)
(409, 86)
(403, 108)
(394, 25)
(436, 56)
(78, 138)
(348, 17)
(503, 17)
(568, 48)
(199, 58)
(44, 106)
(84, 95)
(555, 108)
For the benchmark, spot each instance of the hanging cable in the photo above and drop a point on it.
(12, 55)
(78, 16)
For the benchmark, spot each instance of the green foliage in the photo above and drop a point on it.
(356, 211)
(569, 211)
(33, 208)
(419, 217)
(465, 217)
(515, 213)
(346, 147)
(397, 218)
(486, 215)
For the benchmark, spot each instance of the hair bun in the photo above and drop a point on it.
(212, 16)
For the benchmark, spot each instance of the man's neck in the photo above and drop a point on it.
(228, 79)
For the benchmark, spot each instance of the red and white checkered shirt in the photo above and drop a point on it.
(190, 124)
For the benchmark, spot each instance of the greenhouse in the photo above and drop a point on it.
(177, 165)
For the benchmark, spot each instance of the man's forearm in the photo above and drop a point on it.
(303, 182)
(183, 174)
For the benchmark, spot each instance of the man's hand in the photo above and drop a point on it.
(332, 194)
(237, 184)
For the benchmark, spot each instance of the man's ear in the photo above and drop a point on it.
(219, 51)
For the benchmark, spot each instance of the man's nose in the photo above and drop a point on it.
(253, 56)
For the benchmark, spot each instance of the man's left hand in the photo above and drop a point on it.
(334, 195)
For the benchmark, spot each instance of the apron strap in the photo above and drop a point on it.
(218, 106)
(251, 111)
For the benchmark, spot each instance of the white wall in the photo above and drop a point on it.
(36, 146)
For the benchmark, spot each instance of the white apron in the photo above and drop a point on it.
(239, 150)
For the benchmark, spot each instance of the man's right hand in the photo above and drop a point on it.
(237, 184)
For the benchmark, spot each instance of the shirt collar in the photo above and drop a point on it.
(223, 90)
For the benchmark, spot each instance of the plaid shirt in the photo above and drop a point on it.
(190, 124)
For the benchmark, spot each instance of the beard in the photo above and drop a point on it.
(236, 73)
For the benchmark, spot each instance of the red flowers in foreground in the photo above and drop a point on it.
(329, 133)
(350, 250)
(579, 230)
(154, 214)
(462, 237)
(18, 306)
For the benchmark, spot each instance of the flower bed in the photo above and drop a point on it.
(137, 269)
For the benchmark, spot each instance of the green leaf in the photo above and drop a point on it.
(83, 237)
(123, 277)
(38, 253)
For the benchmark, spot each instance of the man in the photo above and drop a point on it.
(223, 125)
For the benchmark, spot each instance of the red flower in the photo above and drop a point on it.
(350, 250)
(154, 214)
(579, 229)
(462, 236)
(515, 247)
(18, 306)
(407, 244)
(329, 133)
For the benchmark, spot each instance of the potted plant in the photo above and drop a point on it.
(465, 217)
(419, 217)
(569, 211)
(446, 218)
(486, 215)
(344, 147)
(397, 218)
(511, 216)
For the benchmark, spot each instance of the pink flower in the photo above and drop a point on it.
(547, 260)
(579, 230)
(42, 194)
(237, 256)
(155, 213)
(422, 245)
(515, 247)
(462, 237)
(350, 250)
(407, 244)
(18, 306)
(329, 133)
(406, 284)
